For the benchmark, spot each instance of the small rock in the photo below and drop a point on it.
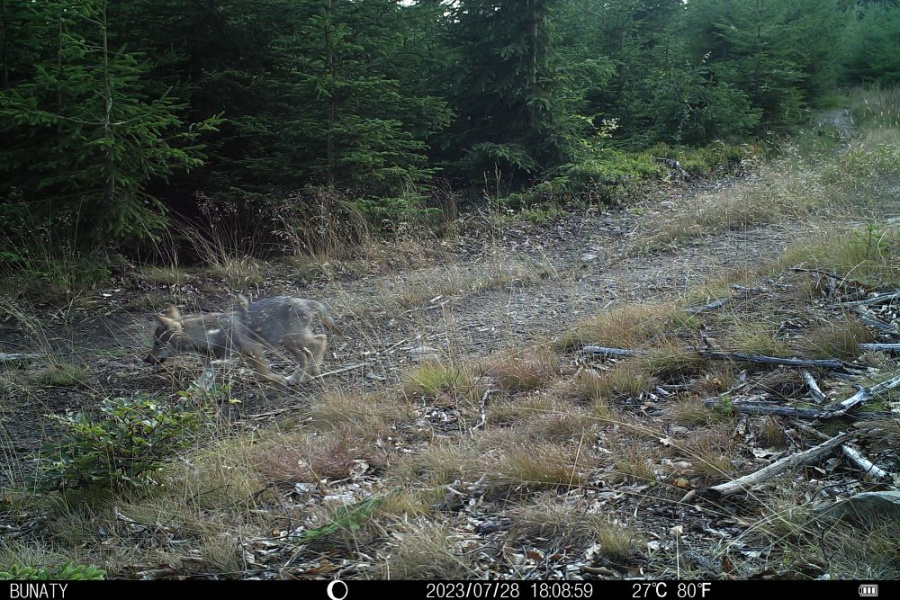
(422, 353)
(344, 498)
(864, 506)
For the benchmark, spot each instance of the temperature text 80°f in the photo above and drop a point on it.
(662, 589)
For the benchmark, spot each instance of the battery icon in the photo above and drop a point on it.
(868, 590)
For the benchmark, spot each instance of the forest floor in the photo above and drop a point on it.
(508, 287)
(501, 290)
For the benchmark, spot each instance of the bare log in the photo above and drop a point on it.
(873, 300)
(863, 395)
(762, 408)
(855, 456)
(869, 319)
(880, 347)
(609, 352)
(773, 360)
(788, 462)
(814, 390)
(711, 306)
(17, 358)
(867, 466)
(839, 410)
(350, 368)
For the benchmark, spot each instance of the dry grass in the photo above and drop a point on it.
(839, 340)
(442, 462)
(630, 327)
(571, 445)
(538, 464)
(299, 457)
(710, 450)
(625, 379)
(506, 410)
(754, 337)
(876, 107)
(567, 525)
(524, 370)
(433, 285)
(426, 550)
(783, 192)
(365, 416)
(409, 502)
(566, 425)
(61, 375)
(672, 362)
(192, 519)
(170, 275)
(433, 378)
(866, 256)
(239, 272)
(633, 458)
(692, 412)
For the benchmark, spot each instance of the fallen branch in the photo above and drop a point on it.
(482, 421)
(863, 395)
(711, 306)
(814, 390)
(852, 453)
(392, 346)
(350, 368)
(867, 466)
(874, 322)
(839, 410)
(880, 347)
(760, 408)
(17, 358)
(874, 300)
(747, 482)
(733, 356)
(772, 360)
(609, 352)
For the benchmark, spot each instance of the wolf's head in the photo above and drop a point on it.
(168, 328)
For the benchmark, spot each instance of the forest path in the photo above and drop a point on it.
(841, 120)
(515, 285)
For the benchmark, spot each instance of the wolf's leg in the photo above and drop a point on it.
(317, 346)
(255, 358)
(308, 350)
(295, 344)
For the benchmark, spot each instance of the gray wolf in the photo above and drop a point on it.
(249, 330)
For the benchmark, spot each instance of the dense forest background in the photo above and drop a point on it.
(117, 117)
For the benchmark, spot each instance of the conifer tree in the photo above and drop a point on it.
(82, 135)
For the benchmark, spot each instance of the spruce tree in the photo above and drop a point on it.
(83, 136)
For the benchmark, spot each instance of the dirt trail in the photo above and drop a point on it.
(525, 284)
(842, 121)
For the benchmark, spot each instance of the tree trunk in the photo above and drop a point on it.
(332, 101)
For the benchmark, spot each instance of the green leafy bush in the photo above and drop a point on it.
(132, 438)
(66, 571)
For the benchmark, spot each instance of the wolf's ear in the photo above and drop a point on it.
(172, 312)
(242, 299)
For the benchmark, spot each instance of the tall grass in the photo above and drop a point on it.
(875, 107)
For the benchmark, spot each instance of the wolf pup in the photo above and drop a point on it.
(249, 330)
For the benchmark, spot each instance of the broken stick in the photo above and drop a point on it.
(788, 462)
(855, 456)
(609, 352)
(814, 391)
(874, 300)
(773, 360)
